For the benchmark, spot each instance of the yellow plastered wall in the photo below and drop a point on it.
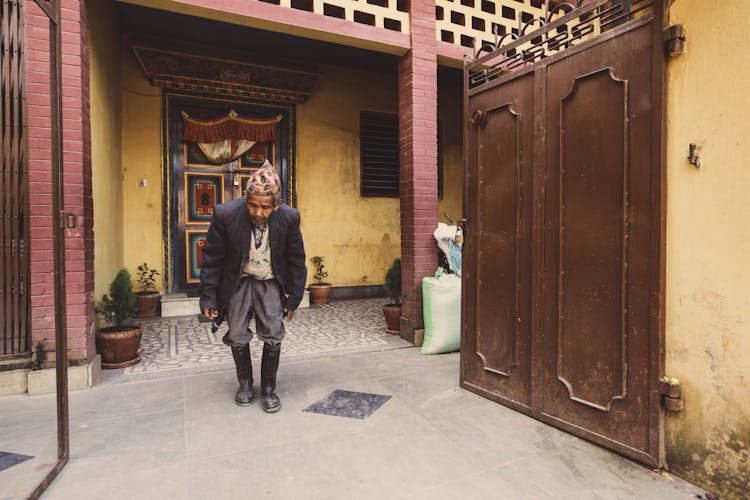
(358, 237)
(106, 149)
(450, 118)
(708, 247)
(141, 170)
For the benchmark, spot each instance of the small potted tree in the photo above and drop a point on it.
(147, 298)
(118, 343)
(320, 291)
(392, 310)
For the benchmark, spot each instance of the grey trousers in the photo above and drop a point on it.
(261, 298)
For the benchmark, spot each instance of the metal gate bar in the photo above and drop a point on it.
(534, 43)
(14, 278)
(53, 11)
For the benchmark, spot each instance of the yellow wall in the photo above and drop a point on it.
(141, 159)
(105, 144)
(450, 110)
(708, 247)
(358, 237)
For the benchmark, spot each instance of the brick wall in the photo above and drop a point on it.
(418, 150)
(77, 180)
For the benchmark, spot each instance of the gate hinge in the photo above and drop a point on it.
(671, 393)
(674, 40)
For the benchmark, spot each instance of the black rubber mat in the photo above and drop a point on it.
(348, 404)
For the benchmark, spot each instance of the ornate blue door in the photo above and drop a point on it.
(203, 175)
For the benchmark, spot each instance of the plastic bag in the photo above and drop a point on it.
(441, 300)
(450, 241)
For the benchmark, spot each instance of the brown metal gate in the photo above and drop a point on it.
(14, 276)
(563, 274)
(15, 267)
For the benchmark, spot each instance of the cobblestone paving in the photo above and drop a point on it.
(171, 346)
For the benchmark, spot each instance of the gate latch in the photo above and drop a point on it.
(671, 393)
(68, 220)
(674, 40)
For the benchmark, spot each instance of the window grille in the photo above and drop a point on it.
(379, 157)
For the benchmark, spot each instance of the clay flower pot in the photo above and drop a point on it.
(118, 347)
(146, 304)
(392, 313)
(320, 293)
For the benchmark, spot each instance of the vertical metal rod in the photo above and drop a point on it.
(6, 67)
(58, 199)
(24, 337)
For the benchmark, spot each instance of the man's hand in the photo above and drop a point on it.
(211, 313)
(289, 314)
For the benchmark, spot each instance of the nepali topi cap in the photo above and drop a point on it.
(264, 182)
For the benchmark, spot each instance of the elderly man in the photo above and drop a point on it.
(254, 264)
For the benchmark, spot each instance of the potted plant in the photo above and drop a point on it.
(118, 343)
(320, 291)
(147, 299)
(392, 310)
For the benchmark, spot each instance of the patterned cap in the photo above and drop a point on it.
(264, 182)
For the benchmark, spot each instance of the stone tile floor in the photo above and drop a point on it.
(183, 437)
(183, 345)
(412, 432)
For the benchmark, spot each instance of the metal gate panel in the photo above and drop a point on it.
(596, 332)
(14, 275)
(501, 306)
(563, 273)
(591, 273)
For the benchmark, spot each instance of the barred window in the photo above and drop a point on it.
(379, 155)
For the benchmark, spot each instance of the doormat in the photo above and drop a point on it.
(348, 404)
(8, 460)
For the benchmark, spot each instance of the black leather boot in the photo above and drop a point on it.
(244, 366)
(268, 367)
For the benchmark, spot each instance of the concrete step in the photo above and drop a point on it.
(179, 304)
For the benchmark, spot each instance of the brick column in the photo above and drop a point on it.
(79, 243)
(39, 119)
(417, 74)
(80, 261)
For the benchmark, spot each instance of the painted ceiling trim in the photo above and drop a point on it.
(213, 71)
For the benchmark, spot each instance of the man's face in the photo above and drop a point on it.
(260, 208)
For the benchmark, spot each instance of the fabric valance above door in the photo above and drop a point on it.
(227, 138)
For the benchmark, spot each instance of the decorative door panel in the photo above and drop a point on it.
(599, 222)
(592, 247)
(204, 192)
(198, 184)
(499, 354)
(563, 273)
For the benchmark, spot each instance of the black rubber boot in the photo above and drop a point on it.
(268, 367)
(244, 366)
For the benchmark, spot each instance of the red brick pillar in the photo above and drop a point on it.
(417, 75)
(79, 241)
(39, 120)
(80, 257)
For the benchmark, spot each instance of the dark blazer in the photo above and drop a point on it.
(226, 252)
